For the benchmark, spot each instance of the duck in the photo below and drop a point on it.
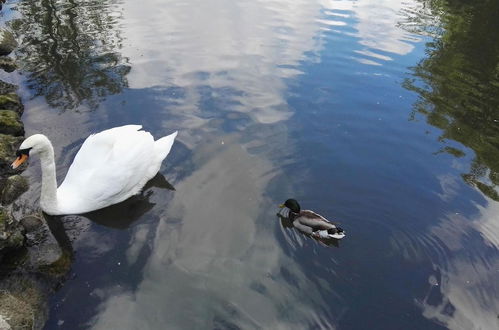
(110, 167)
(310, 222)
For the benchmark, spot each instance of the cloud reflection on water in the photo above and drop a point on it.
(217, 265)
(213, 259)
(469, 271)
(376, 26)
(250, 47)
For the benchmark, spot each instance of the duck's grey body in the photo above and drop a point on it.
(308, 221)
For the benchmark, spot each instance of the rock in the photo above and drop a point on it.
(10, 123)
(13, 187)
(8, 65)
(41, 253)
(59, 268)
(6, 88)
(44, 254)
(16, 313)
(7, 42)
(11, 233)
(11, 101)
(22, 303)
(43, 249)
(31, 223)
(8, 148)
(4, 325)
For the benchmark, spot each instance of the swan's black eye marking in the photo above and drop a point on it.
(21, 152)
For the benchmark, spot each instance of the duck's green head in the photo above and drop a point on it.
(291, 204)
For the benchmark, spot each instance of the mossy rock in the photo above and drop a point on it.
(4, 219)
(10, 123)
(6, 88)
(8, 147)
(11, 233)
(13, 187)
(60, 267)
(31, 223)
(11, 101)
(7, 64)
(7, 42)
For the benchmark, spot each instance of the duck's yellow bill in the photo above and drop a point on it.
(281, 206)
(19, 160)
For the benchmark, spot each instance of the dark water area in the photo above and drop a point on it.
(381, 115)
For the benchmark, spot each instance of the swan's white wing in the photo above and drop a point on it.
(110, 167)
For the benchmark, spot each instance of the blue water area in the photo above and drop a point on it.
(376, 114)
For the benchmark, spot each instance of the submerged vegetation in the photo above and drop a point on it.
(458, 82)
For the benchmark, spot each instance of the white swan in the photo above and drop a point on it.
(109, 167)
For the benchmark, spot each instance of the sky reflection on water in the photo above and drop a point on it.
(274, 100)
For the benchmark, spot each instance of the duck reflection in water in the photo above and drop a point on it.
(309, 223)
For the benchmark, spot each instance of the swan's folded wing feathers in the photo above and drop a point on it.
(98, 147)
(110, 167)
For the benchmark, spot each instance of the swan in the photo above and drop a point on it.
(310, 222)
(110, 167)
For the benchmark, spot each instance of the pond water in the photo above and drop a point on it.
(381, 115)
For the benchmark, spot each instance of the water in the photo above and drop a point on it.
(381, 115)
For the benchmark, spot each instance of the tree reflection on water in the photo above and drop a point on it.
(458, 81)
(69, 51)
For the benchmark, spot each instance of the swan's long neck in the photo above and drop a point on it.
(48, 199)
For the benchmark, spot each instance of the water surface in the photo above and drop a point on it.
(378, 114)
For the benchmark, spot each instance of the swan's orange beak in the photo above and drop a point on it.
(19, 160)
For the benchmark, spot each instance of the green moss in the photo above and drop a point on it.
(10, 123)
(8, 98)
(11, 101)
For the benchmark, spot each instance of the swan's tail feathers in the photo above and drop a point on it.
(163, 146)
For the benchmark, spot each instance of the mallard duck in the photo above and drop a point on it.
(110, 167)
(310, 222)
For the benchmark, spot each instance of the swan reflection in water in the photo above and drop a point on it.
(287, 223)
(122, 215)
(117, 216)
